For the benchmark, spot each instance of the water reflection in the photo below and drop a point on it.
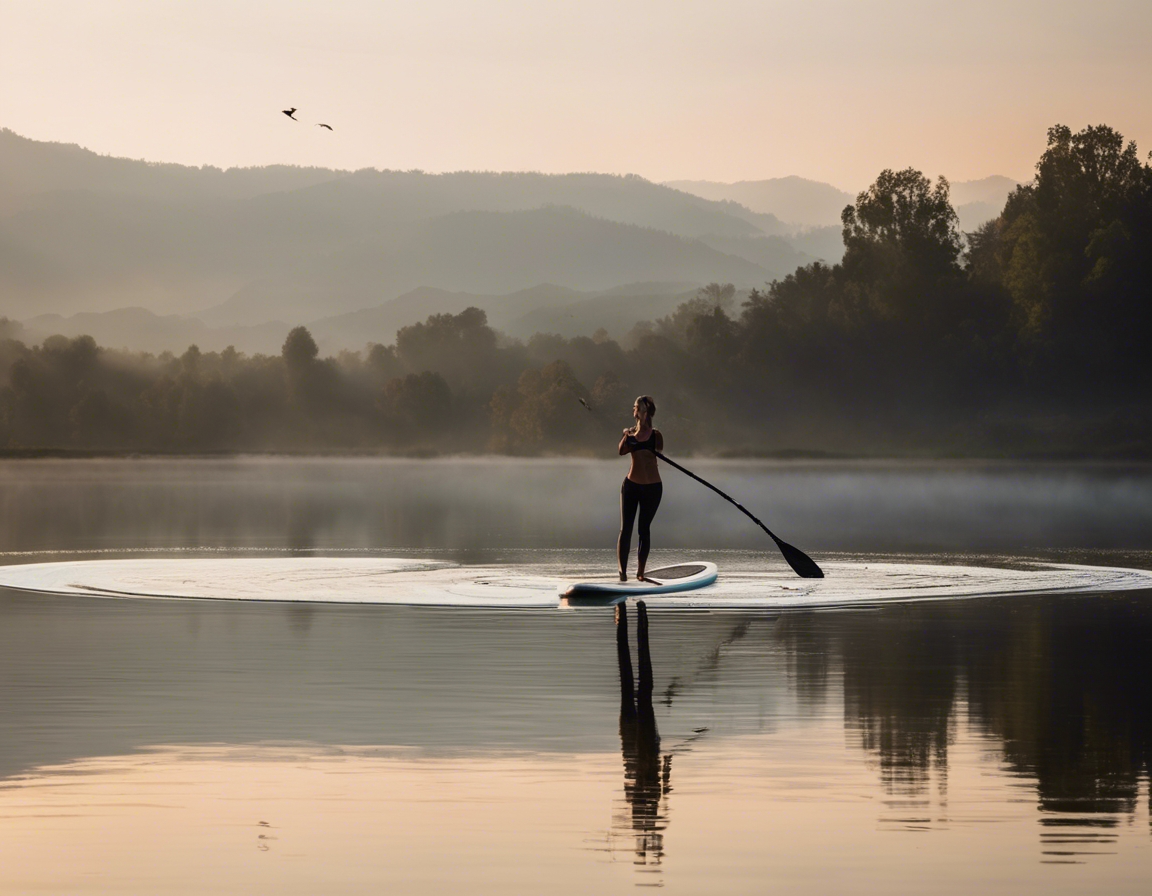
(1035, 710)
(1063, 688)
(647, 775)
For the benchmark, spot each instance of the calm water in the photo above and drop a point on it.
(999, 745)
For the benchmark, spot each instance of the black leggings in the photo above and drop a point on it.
(633, 495)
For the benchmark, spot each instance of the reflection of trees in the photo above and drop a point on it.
(1063, 683)
(899, 680)
(899, 690)
(1066, 687)
(646, 775)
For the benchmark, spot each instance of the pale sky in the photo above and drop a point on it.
(834, 90)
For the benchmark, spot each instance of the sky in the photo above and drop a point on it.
(833, 90)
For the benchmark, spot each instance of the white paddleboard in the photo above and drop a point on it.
(665, 580)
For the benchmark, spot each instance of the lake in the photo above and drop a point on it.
(1000, 744)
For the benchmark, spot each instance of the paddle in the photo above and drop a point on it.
(803, 565)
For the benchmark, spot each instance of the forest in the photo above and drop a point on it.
(1025, 338)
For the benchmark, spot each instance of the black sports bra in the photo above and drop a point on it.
(648, 444)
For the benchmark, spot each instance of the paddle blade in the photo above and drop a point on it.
(803, 565)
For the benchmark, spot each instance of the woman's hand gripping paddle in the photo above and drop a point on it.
(803, 565)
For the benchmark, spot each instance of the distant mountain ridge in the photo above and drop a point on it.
(82, 232)
(805, 204)
(545, 308)
(140, 330)
(799, 202)
(156, 256)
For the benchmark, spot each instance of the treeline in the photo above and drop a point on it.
(1028, 336)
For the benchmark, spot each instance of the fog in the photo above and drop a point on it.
(477, 507)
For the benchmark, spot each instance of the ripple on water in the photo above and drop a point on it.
(426, 582)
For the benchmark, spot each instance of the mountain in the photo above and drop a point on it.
(380, 323)
(544, 308)
(992, 190)
(615, 312)
(800, 202)
(491, 253)
(813, 209)
(824, 243)
(977, 201)
(775, 254)
(83, 232)
(139, 330)
(30, 167)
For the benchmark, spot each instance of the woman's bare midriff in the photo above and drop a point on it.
(645, 467)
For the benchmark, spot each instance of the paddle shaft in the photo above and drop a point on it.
(803, 565)
(744, 510)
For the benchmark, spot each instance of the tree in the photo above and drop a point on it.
(543, 412)
(313, 384)
(903, 211)
(712, 302)
(10, 329)
(902, 244)
(1072, 251)
(1086, 180)
(417, 405)
(718, 296)
(300, 349)
(461, 347)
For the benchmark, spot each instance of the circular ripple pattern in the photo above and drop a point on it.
(404, 581)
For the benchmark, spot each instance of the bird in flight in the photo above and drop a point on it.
(324, 126)
(291, 113)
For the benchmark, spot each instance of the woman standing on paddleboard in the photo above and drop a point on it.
(642, 488)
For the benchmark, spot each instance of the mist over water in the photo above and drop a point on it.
(560, 504)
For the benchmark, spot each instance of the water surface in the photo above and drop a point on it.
(1000, 745)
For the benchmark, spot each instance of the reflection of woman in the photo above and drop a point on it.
(642, 488)
(646, 778)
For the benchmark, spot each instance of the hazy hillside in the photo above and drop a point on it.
(368, 197)
(544, 308)
(993, 190)
(484, 252)
(773, 253)
(138, 329)
(380, 323)
(800, 202)
(825, 243)
(244, 252)
(82, 232)
(29, 167)
(806, 205)
(617, 312)
(977, 201)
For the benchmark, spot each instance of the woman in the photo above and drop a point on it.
(642, 487)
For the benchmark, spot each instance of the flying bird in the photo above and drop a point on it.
(291, 113)
(324, 126)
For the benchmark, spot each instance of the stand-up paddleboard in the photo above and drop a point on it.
(666, 580)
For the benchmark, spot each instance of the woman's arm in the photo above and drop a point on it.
(659, 441)
(624, 447)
